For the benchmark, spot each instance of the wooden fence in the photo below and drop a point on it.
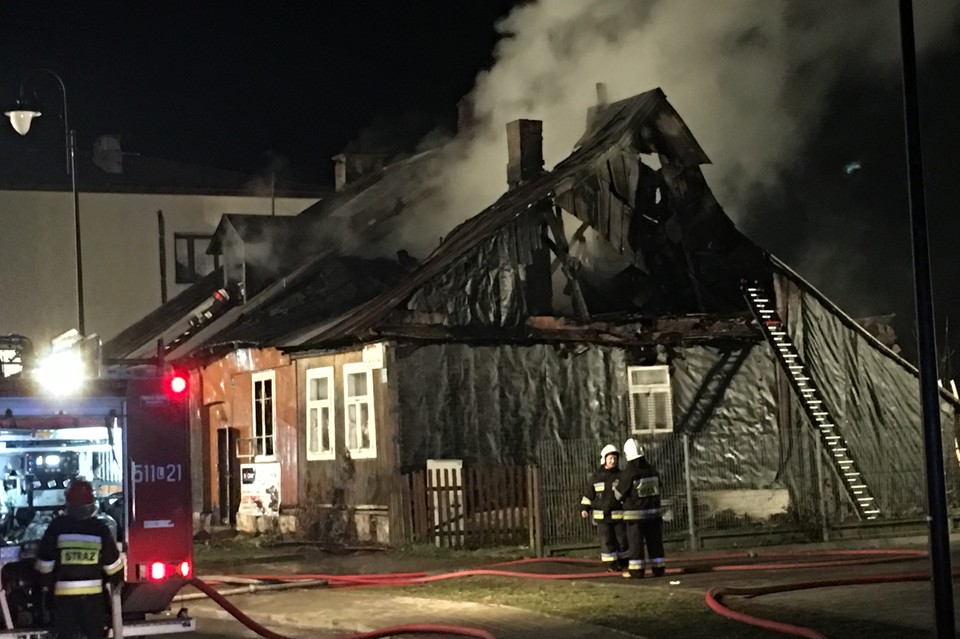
(475, 507)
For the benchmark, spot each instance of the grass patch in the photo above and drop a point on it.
(656, 612)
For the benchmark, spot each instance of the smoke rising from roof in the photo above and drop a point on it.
(751, 80)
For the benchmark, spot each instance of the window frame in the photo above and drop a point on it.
(347, 370)
(660, 388)
(191, 239)
(322, 372)
(263, 376)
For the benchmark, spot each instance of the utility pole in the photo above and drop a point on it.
(926, 340)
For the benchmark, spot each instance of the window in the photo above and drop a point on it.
(320, 421)
(191, 259)
(651, 402)
(264, 416)
(360, 422)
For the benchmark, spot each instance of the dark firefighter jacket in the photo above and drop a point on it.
(598, 496)
(79, 553)
(639, 488)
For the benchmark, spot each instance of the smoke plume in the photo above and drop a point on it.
(750, 78)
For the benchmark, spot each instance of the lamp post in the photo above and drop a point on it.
(21, 116)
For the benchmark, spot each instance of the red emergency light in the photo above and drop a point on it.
(177, 384)
(158, 571)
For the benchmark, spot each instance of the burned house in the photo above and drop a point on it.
(608, 297)
(700, 333)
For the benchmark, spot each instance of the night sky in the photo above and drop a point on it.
(224, 84)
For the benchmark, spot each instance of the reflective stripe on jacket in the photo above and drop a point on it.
(639, 488)
(79, 553)
(598, 496)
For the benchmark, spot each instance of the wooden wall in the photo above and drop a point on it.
(343, 481)
(227, 401)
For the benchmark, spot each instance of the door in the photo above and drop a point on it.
(228, 474)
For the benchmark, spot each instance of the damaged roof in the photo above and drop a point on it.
(171, 320)
(364, 213)
(593, 183)
(330, 287)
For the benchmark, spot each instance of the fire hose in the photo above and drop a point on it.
(714, 563)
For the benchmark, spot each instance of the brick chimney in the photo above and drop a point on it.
(524, 151)
(352, 166)
(466, 116)
(602, 101)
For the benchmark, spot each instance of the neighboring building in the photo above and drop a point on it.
(146, 225)
(503, 344)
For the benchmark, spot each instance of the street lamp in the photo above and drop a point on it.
(21, 117)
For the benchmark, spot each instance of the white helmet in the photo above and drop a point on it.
(607, 450)
(632, 450)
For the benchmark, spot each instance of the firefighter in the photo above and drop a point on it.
(639, 488)
(76, 552)
(598, 497)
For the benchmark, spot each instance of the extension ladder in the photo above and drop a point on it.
(811, 399)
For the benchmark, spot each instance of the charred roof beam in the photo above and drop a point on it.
(570, 265)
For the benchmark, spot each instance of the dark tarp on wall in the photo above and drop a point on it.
(494, 404)
(724, 399)
(873, 398)
(487, 285)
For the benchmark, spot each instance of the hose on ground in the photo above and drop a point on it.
(774, 561)
(393, 631)
(714, 598)
(713, 563)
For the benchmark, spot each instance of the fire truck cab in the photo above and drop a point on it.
(129, 438)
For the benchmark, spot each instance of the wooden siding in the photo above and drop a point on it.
(227, 402)
(346, 482)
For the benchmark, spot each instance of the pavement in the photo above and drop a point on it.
(350, 611)
(322, 613)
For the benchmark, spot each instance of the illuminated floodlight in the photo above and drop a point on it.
(61, 372)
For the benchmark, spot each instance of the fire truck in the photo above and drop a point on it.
(127, 434)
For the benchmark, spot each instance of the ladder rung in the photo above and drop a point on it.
(846, 462)
(864, 499)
